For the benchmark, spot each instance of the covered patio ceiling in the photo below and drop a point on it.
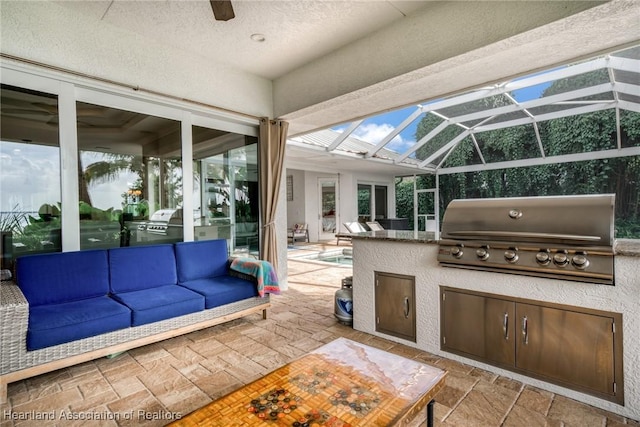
(609, 82)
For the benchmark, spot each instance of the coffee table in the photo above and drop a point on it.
(343, 383)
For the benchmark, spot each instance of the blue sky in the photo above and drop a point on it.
(375, 128)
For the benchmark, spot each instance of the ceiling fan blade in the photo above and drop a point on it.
(222, 10)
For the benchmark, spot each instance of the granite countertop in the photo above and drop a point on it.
(409, 236)
(625, 247)
(628, 247)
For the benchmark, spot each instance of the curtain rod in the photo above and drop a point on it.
(124, 85)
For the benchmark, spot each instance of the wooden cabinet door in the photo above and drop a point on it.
(479, 327)
(566, 347)
(395, 300)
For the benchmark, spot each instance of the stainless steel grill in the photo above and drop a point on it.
(564, 237)
(164, 223)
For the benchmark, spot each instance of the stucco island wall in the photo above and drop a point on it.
(418, 258)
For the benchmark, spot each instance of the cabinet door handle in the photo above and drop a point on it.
(406, 307)
(525, 332)
(505, 326)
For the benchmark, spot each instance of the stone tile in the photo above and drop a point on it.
(218, 384)
(520, 416)
(184, 373)
(95, 387)
(271, 359)
(183, 399)
(428, 358)
(535, 400)
(162, 379)
(100, 416)
(306, 344)
(509, 383)
(449, 397)
(481, 374)
(214, 364)
(208, 348)
(184, 356)
(25, 394)
(454, 366)
(485, 404)
(90, 403)
(573, 413)
(105, 364)
(50, 402)
(148, 353)
(127, 386)
(194, 372)
(135, 409)
(123, 370)
(48, 378)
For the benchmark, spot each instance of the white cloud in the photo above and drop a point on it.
(374, 133)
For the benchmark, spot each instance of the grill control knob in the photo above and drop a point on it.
(580, 261)
(543, 258)
(511, 255)
(561, 259)
(457, 252)
(482, 254)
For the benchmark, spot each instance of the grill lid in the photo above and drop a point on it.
(569, 220)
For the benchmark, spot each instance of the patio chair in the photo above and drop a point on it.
(299, 231)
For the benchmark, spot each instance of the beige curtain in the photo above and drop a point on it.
(273, 140)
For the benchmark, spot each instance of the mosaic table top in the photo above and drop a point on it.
(343, 383)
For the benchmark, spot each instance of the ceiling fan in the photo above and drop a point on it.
(222, 10)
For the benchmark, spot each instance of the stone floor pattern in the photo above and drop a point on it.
(149, 385)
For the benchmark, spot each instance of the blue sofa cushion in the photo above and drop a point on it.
(142, 267)
(63, 277)
(54, 324)
(164, 302)
(222, 290)
(201, 259)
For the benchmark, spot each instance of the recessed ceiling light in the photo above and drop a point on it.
(257, 37)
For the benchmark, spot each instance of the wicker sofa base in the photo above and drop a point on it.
(16, 363)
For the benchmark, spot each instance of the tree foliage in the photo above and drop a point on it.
(574, 134)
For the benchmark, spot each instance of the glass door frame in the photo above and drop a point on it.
(322, 235)
(71, 89)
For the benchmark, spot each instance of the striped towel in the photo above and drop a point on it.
(262, 270)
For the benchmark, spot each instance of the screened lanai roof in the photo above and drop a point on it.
(470, 121)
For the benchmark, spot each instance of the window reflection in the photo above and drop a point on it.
(226, 203)
(130, 186)
(29, 173)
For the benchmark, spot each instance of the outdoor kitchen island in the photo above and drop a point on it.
(412, 256)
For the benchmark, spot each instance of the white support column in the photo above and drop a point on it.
(187, 176)
(70, 215)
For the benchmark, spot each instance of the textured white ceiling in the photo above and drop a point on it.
(296, 32)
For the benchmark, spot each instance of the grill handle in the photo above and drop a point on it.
(525, 330)
(525, 234)
(406, 307)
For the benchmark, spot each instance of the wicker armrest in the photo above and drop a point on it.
(14, 320)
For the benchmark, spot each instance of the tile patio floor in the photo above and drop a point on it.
(184, 373)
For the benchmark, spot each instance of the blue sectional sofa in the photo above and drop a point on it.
(70, 307)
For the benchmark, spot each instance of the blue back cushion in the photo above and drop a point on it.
(63, 276)
(142, 267)
(202, 259)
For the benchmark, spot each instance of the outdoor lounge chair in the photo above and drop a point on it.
(352, 228)
(298, 232)
(374, 226)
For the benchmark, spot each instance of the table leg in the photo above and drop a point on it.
(430, 413)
